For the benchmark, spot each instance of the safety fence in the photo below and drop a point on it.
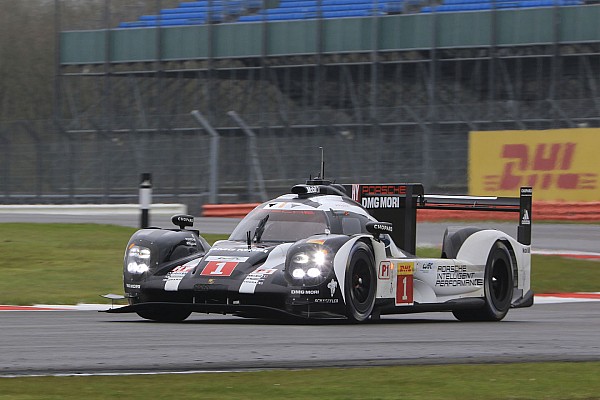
(46, 163)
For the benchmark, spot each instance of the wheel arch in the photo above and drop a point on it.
(342, 258)
(513, 260)
(454, 238)
(476, 247)
(501, 274)
(360, 286)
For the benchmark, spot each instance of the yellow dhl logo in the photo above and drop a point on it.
(406, 268)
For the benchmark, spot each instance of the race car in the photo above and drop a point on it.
(331, 251)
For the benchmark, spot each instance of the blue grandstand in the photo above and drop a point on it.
(217, 11)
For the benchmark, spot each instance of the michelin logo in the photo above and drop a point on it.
(381, 202)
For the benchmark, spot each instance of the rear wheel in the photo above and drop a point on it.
(360, 283)
(498, 287)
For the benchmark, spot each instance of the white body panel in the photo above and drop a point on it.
(411, 280)
(476, 250)
(437, 280)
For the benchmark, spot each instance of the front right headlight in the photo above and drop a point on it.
(309, 265)
(137, 260)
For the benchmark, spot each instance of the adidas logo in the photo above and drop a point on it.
(525, 220)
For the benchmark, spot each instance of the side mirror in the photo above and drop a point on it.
(182, 220)
(379, 228)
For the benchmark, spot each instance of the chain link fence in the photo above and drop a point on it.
(98, 166)
(42, 162)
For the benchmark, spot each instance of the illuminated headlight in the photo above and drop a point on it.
(138, 260)
(310, 266)
(300, 258)
(298, 273)
(319, 257)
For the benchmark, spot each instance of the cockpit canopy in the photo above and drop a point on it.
(289, 225)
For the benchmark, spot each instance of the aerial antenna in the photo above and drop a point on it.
(322, 164)
(319, 179)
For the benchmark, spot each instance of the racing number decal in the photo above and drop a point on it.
(404, 283)
(219, 268)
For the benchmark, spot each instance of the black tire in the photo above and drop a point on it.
(164, 315)
(360, 283)
(498, 287)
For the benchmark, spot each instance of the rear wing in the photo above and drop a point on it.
(398, 203)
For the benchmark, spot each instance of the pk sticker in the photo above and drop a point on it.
(385, 270)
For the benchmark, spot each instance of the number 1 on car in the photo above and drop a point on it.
(219, 268)
(404, 283)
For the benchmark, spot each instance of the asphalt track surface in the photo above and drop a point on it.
(82, 342)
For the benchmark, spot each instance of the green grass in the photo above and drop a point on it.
(61, 263)
(507, 381)
(551, 274)
(75, 263)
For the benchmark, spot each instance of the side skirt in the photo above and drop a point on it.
(459, 304)
(235, 309)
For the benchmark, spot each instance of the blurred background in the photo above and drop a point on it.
(231, 101)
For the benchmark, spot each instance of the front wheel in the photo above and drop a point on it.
(161, 315)
(158, 312)
(498, 287)
(360, 283)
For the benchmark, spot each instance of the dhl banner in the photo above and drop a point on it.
(560, 164)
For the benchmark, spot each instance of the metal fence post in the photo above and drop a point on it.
(214, 157)
(5, 165)
(255, 169)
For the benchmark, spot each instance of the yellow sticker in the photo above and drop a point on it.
(406, 268)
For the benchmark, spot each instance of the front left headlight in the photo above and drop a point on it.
(308, 266)
(137, 260)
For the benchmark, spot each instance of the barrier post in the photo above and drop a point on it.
(255, 171)
(145, 199)
(213, 180)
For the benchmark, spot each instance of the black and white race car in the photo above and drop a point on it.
(333, 251)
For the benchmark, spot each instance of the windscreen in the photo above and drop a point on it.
(281, 225)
